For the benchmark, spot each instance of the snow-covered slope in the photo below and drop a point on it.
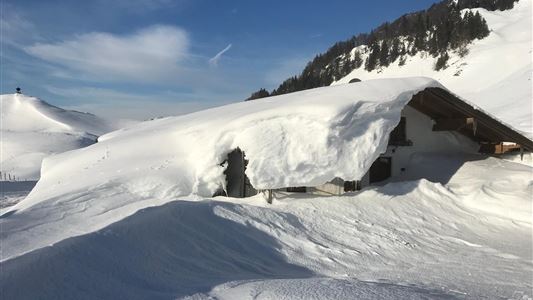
(495, 74)
(470, 238)
(32, 129)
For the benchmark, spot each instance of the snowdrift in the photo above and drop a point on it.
(404, 240)
(32, 129)
(495, 74)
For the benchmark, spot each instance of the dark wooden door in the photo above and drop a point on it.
(237, 183)
(380, 169)
(235, 174)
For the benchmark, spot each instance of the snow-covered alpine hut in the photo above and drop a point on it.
(377, 135)
(326, 140)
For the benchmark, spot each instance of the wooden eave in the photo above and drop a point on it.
(448, 110)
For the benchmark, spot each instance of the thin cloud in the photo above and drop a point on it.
(215, 59)
(115, 104)
(16, 29)
(149, 54)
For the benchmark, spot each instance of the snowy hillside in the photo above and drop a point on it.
(495, 74)
(32, 129)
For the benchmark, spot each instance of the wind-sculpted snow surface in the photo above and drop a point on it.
(405, 240)
(32, 129)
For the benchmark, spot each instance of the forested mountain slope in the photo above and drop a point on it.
(480, 50)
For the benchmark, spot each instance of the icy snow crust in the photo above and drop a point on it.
(32, 129)
(495, 74)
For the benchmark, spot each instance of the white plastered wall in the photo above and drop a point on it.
(419, 130)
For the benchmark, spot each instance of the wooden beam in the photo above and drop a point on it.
(454, 124)
(503, 131)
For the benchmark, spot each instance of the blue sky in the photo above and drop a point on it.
(144, 58)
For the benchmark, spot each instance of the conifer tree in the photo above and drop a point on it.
(373, 56)
(384, 54)
(261, 93)
(395, 50)
(442, 61)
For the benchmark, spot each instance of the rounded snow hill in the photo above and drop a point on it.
(32, 129)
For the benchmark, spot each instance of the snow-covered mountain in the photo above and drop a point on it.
(32, 129)
(492, 71)
(495, 74)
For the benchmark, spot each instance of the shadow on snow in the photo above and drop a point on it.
(161, 252)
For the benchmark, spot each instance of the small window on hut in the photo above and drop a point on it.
(398, 137)
(351, 186)
(298, 189)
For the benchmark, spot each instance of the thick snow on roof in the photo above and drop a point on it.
(32, 129)
(305, 138)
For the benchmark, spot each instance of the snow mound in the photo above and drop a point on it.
(32, 129)
(495, 74)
